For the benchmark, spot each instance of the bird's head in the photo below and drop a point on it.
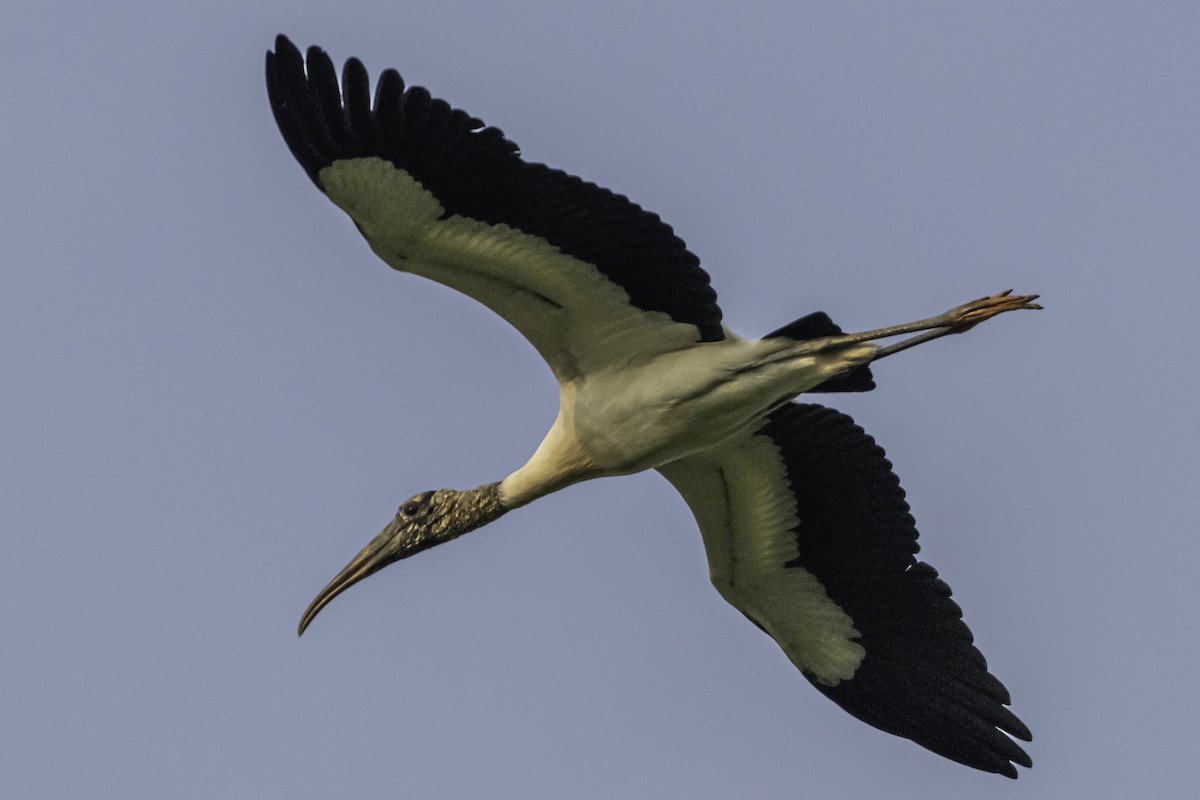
(421, 522)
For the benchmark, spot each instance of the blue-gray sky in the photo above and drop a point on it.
(214, 395)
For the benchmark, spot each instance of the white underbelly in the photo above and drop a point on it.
(682, 403)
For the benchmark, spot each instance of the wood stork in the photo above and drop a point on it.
(804, 524)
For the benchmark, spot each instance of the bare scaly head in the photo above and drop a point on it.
(422, 521)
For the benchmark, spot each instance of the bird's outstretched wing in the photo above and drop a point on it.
(588, 277)
(808, 534)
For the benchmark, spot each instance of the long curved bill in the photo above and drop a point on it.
(372, 558)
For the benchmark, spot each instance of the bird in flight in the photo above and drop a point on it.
(804, 523)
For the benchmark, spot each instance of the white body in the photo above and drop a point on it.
(671, 405)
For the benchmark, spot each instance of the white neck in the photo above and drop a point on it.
(558, 462)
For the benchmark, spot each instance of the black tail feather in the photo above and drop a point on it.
(815, 326)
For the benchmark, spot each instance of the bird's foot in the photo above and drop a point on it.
(968, 315)
(956, 320)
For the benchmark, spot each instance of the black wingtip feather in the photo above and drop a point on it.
(356, 98)
(299, 121)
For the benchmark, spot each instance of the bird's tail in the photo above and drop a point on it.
(815, 326)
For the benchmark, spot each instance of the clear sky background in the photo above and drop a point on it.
(213, 395)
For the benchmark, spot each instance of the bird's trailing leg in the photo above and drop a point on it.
(956, 320)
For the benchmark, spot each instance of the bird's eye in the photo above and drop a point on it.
(415, 504)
